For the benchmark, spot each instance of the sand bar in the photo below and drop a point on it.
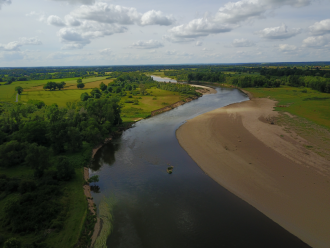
(240, 148)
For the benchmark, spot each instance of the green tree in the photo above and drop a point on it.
(64, 170)
(19, 89)
(95, 91)
(93, 179)
(60, 85)
(79, 81)
(84, 96)
(74, 139)
(37, 158)
(80, 85)
(103, 87)
(12, 153)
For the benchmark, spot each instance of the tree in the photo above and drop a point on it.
(19, 89)
(142, 89)
(84, 96)
(64, 170)
(79, 81)
(80, 85)
(37, 158)
(60, 85)
(95, 91)
(12, 153)
(103, 87)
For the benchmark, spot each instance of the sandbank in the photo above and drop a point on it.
(242, 149)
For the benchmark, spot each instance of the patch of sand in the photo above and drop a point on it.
(241, 147)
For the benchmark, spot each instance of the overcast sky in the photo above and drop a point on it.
(129, 32)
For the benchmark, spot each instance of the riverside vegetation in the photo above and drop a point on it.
(47, 137)
(43, 149)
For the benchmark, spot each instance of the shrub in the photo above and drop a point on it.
(64, 170)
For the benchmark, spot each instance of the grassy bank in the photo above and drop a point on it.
(307, 103)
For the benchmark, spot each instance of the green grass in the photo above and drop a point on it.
(58, 96)
(147, 104)
(313, 105)
(8, 94)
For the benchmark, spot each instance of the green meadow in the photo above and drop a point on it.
(61, 97)
(304, 102)
(8, 94)
(157, 99)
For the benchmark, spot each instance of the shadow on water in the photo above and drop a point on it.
(183, 209)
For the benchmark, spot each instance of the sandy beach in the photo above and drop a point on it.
(242, 149)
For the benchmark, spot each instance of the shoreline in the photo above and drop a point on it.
(241, 149)
(98, 224)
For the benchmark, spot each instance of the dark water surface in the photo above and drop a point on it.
(152, 208)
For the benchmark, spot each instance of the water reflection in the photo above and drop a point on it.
(186, 208)
(105, 156)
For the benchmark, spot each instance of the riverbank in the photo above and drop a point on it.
(241, 147)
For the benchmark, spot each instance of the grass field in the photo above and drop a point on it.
(147, 104)
(313, 105)
(8, 94)
(61, 97)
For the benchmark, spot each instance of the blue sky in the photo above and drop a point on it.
(126, 32)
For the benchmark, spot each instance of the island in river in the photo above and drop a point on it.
(240, 148)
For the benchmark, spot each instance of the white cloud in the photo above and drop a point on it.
(2, 2)
(171, 52)
(316, 42)
(12, 56)
(320, 28)
(196, 28)
(228, 17)
(199, 43)
(15, 45)
(153, 17)
(243, 43)
(78, 37)
(281, 32)
(59, 55)
(71, 21)
(109, 13)
(88, 2)
(55, 20)
(286, 48)
(150, 44)
(105, 52)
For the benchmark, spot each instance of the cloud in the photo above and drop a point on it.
(287, 48)
(243, 43)
(78, 37)
(87, 2)
(320, 28)
(2, 2)
(228, 17)
(15, 45)
(197, 28)
(316, 42)
(153, 17)
(281, 32)
(109, 13)
(12, 56)
(55, 20)
(106, 52)
(199, 43)
(171, 52)
(150, 44)
(59, 55)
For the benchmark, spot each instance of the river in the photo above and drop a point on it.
(152, 208)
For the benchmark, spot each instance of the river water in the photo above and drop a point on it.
(152, 208)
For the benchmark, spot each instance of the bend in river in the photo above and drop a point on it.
(152, 208)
